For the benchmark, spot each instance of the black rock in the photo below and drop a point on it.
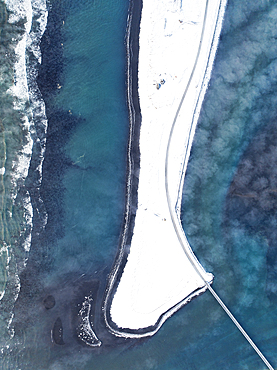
(49, 302)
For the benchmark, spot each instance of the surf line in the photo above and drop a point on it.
(176, 221)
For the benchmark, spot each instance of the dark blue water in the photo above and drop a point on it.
(84, 188)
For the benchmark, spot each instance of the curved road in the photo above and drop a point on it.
(176, 221)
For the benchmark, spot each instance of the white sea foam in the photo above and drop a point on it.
(24, 92)
(178, 41)
(13, 297)
(21, 10)
(40, 14)
(4, 255)
(21, 90)
(27, 231)
(28, 101)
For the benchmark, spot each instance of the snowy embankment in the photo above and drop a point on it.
(178, 41)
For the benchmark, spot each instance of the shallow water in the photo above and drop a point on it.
(82, 80)
(239, 106)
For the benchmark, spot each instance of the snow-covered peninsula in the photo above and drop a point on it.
(177, 46)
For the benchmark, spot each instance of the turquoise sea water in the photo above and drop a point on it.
(93, 88)
(83, 190)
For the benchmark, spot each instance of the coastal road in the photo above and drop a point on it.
(172, 210)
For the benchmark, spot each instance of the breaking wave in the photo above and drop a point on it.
(23, 132)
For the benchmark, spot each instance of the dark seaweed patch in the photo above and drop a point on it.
(251, 203)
